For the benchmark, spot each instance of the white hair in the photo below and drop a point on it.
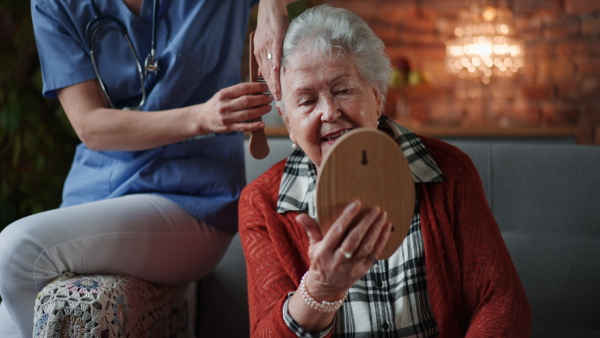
(325, 31)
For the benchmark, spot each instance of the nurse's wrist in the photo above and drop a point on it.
(193, 124)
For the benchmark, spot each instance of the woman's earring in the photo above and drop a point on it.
(294, 145)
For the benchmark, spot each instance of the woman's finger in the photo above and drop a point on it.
(274, 83)
(242, 120)
(241, 90)
(358, 235)
(249, 102)
(370, 241)
(337, 231)
(265, 65)
(384, 236)
(311, 227)
(246, 127)
(272, 23)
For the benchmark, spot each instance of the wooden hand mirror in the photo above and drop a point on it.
(368, 165)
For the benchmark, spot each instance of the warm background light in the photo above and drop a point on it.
(554, 95)
(485, 44)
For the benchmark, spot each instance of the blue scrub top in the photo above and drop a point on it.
(199, 44)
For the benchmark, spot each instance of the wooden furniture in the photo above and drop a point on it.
(367, 164)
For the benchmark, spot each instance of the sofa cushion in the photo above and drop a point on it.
(546, 200)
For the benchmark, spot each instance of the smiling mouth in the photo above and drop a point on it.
(332, 137)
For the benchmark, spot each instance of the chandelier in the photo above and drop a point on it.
(485, 44)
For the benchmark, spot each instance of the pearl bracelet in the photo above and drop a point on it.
(323, 306)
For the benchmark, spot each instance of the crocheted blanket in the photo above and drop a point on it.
(113, 306)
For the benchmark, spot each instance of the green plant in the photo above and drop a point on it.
(36, 140)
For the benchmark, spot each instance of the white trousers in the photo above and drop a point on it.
(143, 235)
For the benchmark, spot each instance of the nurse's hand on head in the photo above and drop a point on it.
(272, 24)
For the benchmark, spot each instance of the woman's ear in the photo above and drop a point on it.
(378, 100)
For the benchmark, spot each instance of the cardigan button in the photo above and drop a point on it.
(385, 326)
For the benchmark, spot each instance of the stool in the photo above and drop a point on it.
(113, 306)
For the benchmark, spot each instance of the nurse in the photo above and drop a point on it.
(152, 88)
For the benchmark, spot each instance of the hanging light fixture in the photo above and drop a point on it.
(485, 44)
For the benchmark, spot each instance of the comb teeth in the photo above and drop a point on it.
(262, 80)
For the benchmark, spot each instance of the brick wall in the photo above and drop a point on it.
(559, 85)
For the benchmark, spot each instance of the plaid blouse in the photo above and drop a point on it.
(391, 300)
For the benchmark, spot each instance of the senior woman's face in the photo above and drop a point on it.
(325, 101)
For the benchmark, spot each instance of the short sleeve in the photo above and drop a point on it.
(61, 44)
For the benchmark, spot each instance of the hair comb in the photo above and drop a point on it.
(258, 146)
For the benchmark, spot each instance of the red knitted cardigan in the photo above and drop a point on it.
(474, 289)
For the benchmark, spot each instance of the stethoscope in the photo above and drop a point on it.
(150, 64)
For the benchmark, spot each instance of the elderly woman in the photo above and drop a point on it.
(452, 276)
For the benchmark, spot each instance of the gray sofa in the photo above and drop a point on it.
(546, 199)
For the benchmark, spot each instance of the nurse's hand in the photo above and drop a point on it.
(272, 24)
(346, 252)
(230, 109)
